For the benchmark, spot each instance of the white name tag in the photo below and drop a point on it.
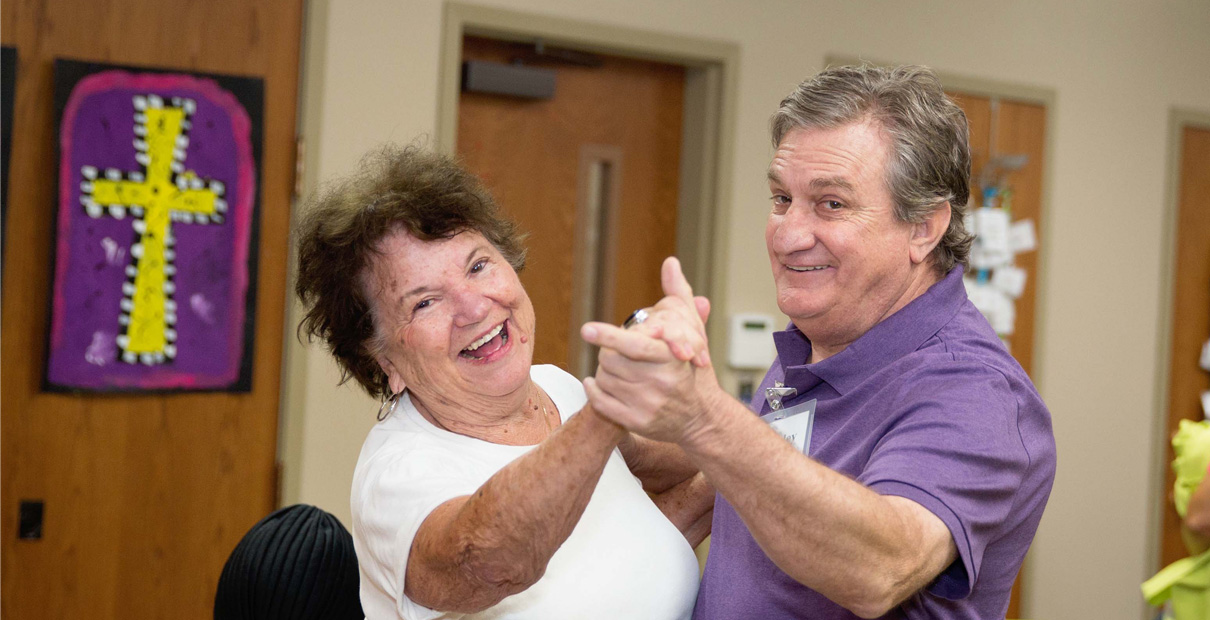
(794, 424)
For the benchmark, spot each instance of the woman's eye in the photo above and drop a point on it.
(424, 303)
(479, 265)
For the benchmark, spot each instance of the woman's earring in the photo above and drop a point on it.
(391, 400)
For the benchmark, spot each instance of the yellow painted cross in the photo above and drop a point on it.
(162, 192)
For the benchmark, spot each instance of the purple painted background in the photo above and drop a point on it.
(97, 129)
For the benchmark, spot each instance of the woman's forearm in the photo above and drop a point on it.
(1197, 518)
(473, 551)
(689, 506)
(659, 465)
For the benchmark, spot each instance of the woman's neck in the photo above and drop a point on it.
(524, 417)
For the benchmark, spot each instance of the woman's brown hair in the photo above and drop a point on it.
(409, 189)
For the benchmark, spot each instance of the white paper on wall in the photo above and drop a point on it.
(1022, 236)
(1205, 363)
(991, 248)
(994, 305)
(991, 226)
(982, 258)
(1206, 404)
(1009, 280)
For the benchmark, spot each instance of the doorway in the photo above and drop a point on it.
(591, 175)
(1004, 125)
(695, 134)
(1008, 119)
(1187, 322)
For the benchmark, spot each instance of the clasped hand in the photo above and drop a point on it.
(656, 379)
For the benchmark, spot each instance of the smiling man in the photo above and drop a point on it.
(918, 484)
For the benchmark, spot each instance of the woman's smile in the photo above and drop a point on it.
(490, 347)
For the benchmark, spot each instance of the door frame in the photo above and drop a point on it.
(707, 128)
(1178, 120)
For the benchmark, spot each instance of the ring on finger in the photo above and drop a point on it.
(636, 317)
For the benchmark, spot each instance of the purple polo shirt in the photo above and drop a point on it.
(927, 405)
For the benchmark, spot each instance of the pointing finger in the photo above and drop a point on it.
(673, 280)
(703, 307)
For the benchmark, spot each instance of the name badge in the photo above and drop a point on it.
(794, 424)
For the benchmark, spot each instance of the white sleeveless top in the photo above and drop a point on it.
(624, 559)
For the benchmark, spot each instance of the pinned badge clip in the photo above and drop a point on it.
(775, 395)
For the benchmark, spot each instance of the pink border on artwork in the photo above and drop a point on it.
(241, 128)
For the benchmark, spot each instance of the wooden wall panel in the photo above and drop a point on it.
(1190, 313)
(145, 495)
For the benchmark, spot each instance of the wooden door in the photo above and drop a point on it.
(1190, 313)
(1016, 128)
(621, 119)
(144, 496)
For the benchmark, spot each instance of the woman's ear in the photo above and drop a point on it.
(394, 379)
(928, 233)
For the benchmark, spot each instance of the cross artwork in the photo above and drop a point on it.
(161, 193)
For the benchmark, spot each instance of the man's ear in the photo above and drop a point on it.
(394, 379)
(928, 233)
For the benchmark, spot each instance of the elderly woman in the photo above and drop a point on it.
(488, 487)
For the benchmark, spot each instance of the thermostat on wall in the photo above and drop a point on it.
(751, 341)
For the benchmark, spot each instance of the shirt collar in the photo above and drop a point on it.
(892, 338)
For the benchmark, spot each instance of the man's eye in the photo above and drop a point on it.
(424, 303)
(778, 199)
(479, 265)
(833, 205)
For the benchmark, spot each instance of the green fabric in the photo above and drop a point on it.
(1191, 445)
(1186, 582)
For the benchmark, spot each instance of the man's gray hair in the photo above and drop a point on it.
(929, 162)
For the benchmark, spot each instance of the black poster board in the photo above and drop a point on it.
(156, 236)
(8, 91)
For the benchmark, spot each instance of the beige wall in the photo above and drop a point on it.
(1116, 68)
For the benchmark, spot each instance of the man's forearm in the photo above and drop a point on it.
(862, 550)
(472, 552)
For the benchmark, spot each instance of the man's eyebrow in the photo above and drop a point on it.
(817, 184)
(822, 183)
